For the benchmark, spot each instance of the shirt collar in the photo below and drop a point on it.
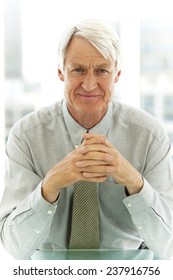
(76, 131)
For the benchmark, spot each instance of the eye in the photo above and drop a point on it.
(101, 71)
(78, 70)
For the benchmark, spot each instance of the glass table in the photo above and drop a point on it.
(102, 254)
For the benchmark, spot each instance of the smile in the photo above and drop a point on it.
(89, 96)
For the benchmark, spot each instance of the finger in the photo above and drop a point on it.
(109, 145)
(85, 163)
(88, 148)
(99, 170)
(92, 138)
(94, 157)
(91, 135)
(91, 176)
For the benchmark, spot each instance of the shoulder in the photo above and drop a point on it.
(134, 117)
(37, 119)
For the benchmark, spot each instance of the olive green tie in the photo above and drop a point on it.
(85, 217)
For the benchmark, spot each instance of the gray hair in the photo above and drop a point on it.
(99, 33)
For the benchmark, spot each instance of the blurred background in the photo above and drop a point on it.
(29, 35)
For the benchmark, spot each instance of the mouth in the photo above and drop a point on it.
(88, 96)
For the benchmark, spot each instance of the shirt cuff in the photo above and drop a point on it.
(137, 203)
(39, 204)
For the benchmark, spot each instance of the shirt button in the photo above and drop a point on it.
(37, 231)
(49, 212)
(76, 146)
(129, 205)
(139, 227)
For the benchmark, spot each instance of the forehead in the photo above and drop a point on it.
(80, 51)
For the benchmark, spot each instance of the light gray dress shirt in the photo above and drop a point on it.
(43, 138)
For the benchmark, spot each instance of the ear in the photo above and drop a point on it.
(117, 76)
(60, 74)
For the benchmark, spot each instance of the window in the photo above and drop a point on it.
(157, 70)
(148, 103)
(168, 108)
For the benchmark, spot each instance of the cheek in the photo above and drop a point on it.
(69, 90)
(108, 90)
(71, 84)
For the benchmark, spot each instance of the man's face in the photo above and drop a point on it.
(89, 79)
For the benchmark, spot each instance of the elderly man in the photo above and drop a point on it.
(89, 137)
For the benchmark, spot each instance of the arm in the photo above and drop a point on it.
(23, 208)
(30, 200)
(153, 217)
(150, 200)
(27, 226)
(152, 208)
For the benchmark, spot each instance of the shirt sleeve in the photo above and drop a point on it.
(28, 225)
(25, 217)
(152, 209)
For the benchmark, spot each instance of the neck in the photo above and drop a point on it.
(88, 120)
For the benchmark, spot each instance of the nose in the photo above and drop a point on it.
(89, 82)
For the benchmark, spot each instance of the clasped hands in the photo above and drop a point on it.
(94, 160)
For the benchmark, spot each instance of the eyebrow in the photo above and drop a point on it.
(102, 65)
